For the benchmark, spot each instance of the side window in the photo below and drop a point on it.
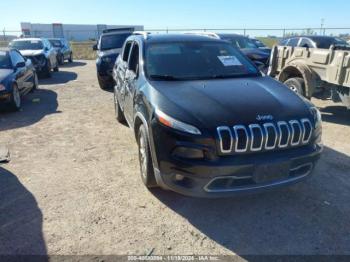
(305, 43)
(134, 59)
(284, 42)
(16, 58)
(126, 51)
(293, 42)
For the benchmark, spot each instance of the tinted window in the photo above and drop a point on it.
(258, 43)
(27, 45)
(240, 42)
(284, 42)
(113, 41)
(196, 60)
(5, 61)
(127, 51)
(56, 43)
(293, 42)
(16, 58)
(326, 42)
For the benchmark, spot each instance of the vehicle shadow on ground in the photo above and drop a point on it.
(20, 219)
(73, 64)
(61, 77)
(336, 114)
(35, 106)
(309, 218)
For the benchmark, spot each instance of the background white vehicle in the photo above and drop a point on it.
(40, 52)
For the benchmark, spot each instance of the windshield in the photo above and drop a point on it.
(196, 60)
(4, 60)
(56, 43)
(240, 42)
(326, 42)
(113, 41)
(27, 45)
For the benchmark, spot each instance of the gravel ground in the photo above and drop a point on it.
(73, 187)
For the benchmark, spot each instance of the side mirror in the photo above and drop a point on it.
(94, 47)
(20, 64)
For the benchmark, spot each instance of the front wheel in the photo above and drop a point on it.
(35, 82)
(47, 70)
(296, 84)
(15, 100)
(146, 165)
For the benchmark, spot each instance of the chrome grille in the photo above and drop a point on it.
(265, 137)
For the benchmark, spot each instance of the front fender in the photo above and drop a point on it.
(295, 69)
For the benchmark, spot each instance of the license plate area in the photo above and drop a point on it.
(272, 172)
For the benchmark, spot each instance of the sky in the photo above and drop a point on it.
(161, 14)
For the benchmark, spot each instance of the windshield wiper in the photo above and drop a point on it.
(165, 77)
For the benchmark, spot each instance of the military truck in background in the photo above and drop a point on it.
(311, 71)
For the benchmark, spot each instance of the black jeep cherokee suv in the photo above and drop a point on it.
(207, 122)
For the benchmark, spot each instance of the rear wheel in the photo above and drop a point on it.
(61, 59)
(15, 100)
(297, 84)
(146, 165)
(104, 85)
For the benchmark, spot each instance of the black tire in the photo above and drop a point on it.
(119, 115)
(70, 59)
(60, 59)
(104, 85)
(47, 70)
(145, 159)
(297, 84)
(15, 99)
(56, 69)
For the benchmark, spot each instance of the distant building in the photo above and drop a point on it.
(69, 31)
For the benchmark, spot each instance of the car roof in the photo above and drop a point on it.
(27, 39)
(231, 35)
(5, 49)
(168, 38)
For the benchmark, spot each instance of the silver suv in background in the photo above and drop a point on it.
(314, 41)
(40, 52)
(63, 49)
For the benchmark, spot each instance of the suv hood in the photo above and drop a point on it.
(229, 102)
(5, 73)
(31, 52)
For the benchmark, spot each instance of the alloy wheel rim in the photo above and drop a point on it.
(16, 97)
(143, 157)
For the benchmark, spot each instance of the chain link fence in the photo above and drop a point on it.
(82, 40)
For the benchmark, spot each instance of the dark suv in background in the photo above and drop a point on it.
(314, 41)
(207, 122)
(63, 49)
(108, 48)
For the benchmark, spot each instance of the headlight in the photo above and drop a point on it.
(176, 124)
(106, 59)
(2, 87)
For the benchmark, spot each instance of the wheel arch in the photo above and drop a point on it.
(302, 71)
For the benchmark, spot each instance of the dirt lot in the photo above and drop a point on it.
(73, 187)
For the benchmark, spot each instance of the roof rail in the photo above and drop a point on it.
(143, 33)
(203, 33)
(110, 30)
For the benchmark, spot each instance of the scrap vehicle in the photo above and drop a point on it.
(63, 50)
(108, 48)
(313, 65)
(258, 55)
(40, 52)
(207, 122)
(17, 78)
(261, 45)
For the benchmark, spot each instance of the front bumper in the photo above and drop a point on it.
(225, 176)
